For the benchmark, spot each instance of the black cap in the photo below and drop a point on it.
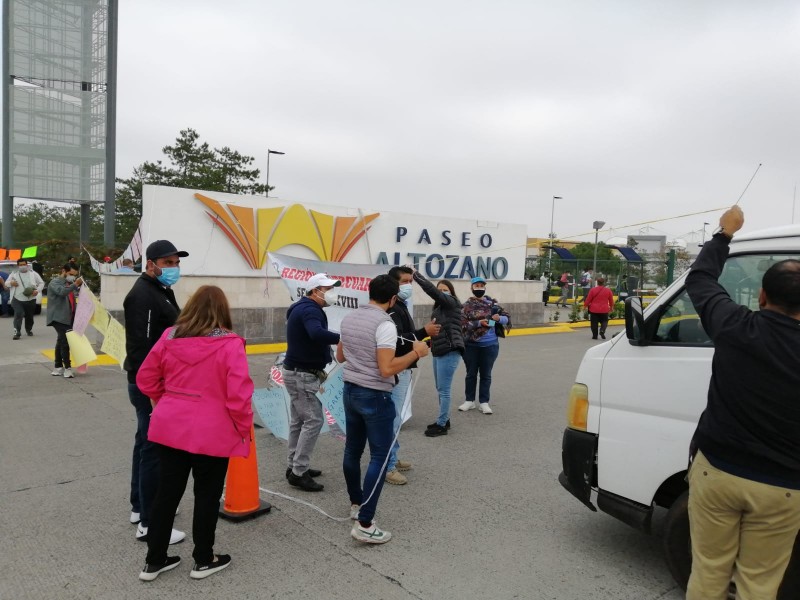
(162, 248)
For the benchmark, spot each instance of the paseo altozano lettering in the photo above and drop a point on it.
(473, 258)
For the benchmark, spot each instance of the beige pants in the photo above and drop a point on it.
(739, 523)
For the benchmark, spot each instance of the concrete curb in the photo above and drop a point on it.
(277, 348)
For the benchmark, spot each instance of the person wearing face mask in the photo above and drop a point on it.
(407, 334)
(367, 350)
(60, 314)
(447, 346)
(25, 284)
(150, 309)
(482, 321)
(308, 352)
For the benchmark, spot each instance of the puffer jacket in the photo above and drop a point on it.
(203, 394)
(447, 312)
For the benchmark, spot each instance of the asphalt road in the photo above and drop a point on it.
(483, 515)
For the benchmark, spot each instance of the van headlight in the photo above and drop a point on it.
(578, 407)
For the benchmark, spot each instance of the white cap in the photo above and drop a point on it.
(322, 280)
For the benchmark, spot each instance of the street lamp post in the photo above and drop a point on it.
(268, 153)
(552, 235)
(597, 226)
(704, 233)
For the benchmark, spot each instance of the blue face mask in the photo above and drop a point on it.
(169, 276)
(406, 290)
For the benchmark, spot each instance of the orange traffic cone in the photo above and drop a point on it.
(242, 500)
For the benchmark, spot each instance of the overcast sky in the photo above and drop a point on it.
(630, 110)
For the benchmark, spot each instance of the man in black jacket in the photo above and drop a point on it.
(150, 309)
(407, 334)
(744, 481)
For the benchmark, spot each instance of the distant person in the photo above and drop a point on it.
(308, 352)
(482, 321)
(563, 283)
(744, 479)
(127, 266)
(367, 349)
(25, 285)
(545, 279)
(447, 346)
(600, 303)
(150, 309)
(60, 315)
(72, 262)
(201, 359)
(587, 278)
(407, 334)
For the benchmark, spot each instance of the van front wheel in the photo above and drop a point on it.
(677, 543)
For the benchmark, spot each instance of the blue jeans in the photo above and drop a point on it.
(145, 464)
(479, 359)
(369, 415)
(444, 368)
(398, 397)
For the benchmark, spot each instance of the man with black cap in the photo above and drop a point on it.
(308, 352)
(150, 309)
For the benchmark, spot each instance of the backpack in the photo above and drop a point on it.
(584, 280)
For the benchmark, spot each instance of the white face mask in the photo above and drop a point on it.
(23, 269)
(331, 297)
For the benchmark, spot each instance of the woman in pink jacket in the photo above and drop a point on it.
(599, 302)
(198, 381)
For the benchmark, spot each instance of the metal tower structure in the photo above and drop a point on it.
(59, 106)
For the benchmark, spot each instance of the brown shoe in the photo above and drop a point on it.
(403, 465)
(395, 477)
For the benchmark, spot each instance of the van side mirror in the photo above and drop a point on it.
(634, 321)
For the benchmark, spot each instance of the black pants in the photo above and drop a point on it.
(596, 319)
(62, 346)
(209, 479)
(23, 308)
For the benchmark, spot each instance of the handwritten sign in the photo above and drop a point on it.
(100, 317)
(84, 310)
(272, 405)
(80, 348)
(114, 341)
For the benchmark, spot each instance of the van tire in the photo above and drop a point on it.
(677, 543)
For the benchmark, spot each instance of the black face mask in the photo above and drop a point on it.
(479, 293)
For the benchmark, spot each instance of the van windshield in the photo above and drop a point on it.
(678, 322)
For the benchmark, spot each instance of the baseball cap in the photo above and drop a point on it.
(322, 280)
(162, 248)
(478, 280)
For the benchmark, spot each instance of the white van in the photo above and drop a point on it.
(637, 399)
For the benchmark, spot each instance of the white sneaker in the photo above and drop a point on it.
(67, 374)
(467, 406)
(486, 409)
(135, 517)
(354, 508)
(370, 535)
(58, 371)
(174, 538)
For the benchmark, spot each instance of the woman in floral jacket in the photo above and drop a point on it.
(482, 320)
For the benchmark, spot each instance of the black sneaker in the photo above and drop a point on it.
(602, 335)
(304, 482)
(435, 425)
(436, 431)
(220, 562)
(30, 333)
(150, 572)
(16, 335)
(311, 472)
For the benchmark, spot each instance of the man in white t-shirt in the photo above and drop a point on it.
(368, 340)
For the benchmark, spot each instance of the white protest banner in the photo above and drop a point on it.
(84, 310)
(353, 292)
